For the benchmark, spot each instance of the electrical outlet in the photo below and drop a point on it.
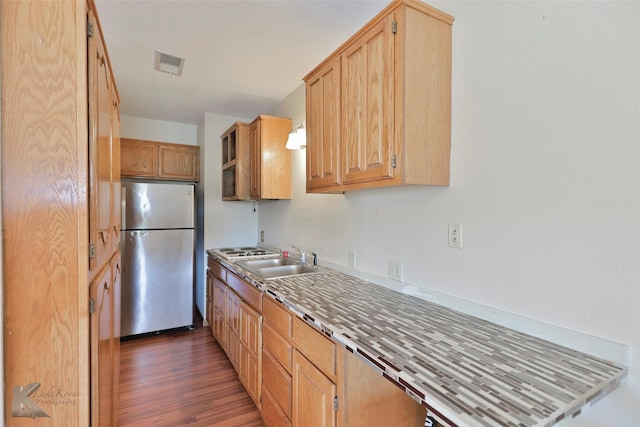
(455, 236)
(352, 259)
(395, 270)
(262, 236)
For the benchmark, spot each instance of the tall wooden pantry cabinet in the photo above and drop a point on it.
(61, 221)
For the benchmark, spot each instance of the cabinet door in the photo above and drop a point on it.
(209, 301)
(250, 351)
(101, 342)
(232, 317)
(138, 158)
(272, 414)
(178, 163)
(278, 382)
(367, 106)
(313, 395)
(270, 160)
(100, 165)
(219, 308)
(116, 312)
(323, 126)
(236, 160)
(116, 206)
(256, 170)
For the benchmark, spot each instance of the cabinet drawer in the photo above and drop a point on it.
(278, 382)
(280, 348)
(279, 318)
(271, 413)
(314, 346)
(217, 269)
(248, 292)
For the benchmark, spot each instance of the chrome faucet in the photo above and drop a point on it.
(303, 254)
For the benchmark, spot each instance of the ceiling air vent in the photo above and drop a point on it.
(169, 63)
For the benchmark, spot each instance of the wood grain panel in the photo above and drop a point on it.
(313, 395)
(323, 126)
(138, 158)
(270, 160)
(271, 412)
(278, 382)
(217, 269)
(44, 159)
(367, 105)
(248, 292)
(427, 106)
(251, 351)
(179, 162)
(370, 398)
(318, 349)
(280, 348)
(276, 315)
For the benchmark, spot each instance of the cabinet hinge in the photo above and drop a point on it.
(92, 251)
(394, 27)
(335, 403)
(393, 161)
(92, 305)
(89, 29)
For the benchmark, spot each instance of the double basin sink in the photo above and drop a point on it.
(275, 268)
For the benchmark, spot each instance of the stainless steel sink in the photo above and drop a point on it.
(275, 268)
(271, 262)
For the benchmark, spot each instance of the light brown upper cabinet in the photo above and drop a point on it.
(104, 153)
(159, 160)
(379, 108)
(323, 126)
(270, 160)
(236, 162)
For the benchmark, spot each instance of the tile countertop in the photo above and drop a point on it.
(464, 370)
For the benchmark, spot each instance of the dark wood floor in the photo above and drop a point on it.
(181, 378)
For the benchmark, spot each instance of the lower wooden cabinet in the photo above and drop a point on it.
(309, 380)
(237, 324)
(277, 383)
(250, 371)
(277, 364)
(232, 318)
(315, 397)
(209, 301)
(104, 294)
(219, 304)
(295, 374)
(272, 414)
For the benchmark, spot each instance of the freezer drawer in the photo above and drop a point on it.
(157, 280)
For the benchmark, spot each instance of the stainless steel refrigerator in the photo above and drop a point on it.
(158, 246)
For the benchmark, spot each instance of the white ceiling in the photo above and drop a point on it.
(242, 57)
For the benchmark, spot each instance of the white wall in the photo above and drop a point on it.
(544, 178)
(226, 223)
(158, 130)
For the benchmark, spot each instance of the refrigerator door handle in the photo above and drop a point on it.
(123, 201)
